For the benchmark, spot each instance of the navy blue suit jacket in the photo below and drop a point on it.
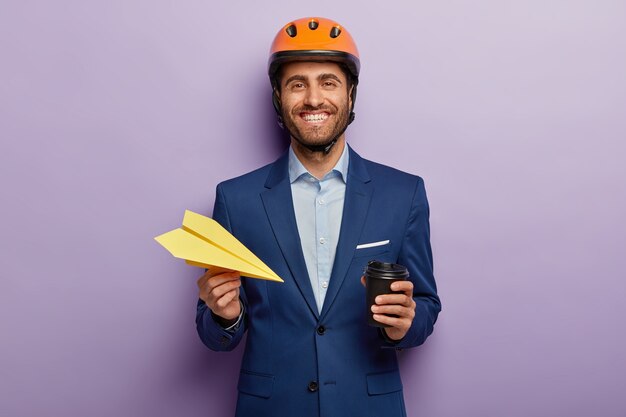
(299, 362)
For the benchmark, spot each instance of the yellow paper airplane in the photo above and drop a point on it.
(205, 243)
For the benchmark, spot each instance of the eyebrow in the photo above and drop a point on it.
(329, 76)
(295, 78)
(321, 77)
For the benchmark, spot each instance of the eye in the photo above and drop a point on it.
(297, 85)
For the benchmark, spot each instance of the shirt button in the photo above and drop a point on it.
(325, 284)
(322, 240)
(312, 386)
(321, 201)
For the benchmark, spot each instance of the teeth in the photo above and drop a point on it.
(315, 117)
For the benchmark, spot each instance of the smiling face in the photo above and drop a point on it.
(315, 101)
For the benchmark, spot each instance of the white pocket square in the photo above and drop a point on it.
(373, 244)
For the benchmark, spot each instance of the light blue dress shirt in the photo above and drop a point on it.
(318, 205)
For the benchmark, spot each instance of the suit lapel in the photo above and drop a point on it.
(356, 205)
(278, 205)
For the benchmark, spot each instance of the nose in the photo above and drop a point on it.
(313, 97)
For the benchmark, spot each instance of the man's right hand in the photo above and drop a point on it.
(220, 291)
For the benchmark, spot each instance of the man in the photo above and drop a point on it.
(316, 216)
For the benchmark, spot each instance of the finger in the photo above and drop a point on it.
(218, 292)
(207, 275)
(216, 270)
(402, 299)
(202, 280)
(227, 298)
(226, 275)
(213, 271)
(363, 280)
(217, 280)
(399, 323)
(404, 286)
(394, 309)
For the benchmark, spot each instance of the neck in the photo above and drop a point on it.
(319, 163)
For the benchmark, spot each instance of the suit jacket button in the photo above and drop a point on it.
(321, 330)
(312, 386)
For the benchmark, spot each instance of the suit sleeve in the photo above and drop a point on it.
(416, 255)
(214, 336)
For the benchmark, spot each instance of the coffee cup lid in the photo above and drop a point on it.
(386, 270)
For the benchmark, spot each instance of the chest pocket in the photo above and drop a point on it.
(372, 251)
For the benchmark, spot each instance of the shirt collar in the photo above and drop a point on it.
(297, 170)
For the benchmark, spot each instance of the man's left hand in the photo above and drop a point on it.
(401, 305)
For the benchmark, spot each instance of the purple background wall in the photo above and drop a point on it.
(115, 116)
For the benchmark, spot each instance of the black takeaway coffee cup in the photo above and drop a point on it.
(378, 279)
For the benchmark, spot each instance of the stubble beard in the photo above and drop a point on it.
(311, 135)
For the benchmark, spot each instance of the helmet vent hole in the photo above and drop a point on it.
(313, 24)
(335, 31)
(291, 30)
